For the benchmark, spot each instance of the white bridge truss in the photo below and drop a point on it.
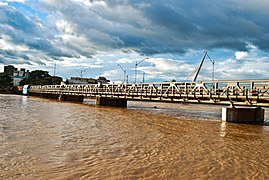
(244, 92)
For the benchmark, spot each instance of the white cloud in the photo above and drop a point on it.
(91, 3)
(231, 69)
(124, 60)
(167, 69)
(3, 4)
(241, 55)
(114, 74)
(170, 65)
(64, 26)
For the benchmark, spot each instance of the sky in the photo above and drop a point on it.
(166, 39)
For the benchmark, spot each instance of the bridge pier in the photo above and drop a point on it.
(105, 101)
(49, 96)
(74, 98)
(243, 114)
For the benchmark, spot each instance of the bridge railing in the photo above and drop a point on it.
(247, 90)
(205, 88)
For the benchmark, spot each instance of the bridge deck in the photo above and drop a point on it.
(247, 92)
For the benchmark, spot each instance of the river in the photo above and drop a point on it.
(46, 139)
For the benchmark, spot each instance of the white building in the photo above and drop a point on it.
(79, 80)
(19, 75)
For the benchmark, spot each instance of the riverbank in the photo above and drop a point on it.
(7, 90)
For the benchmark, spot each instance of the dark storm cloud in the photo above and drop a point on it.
(13, 57)
(167, 26)
(13, 54)
(30, 33)
(204, 24)
(18, 57)
(147, 27)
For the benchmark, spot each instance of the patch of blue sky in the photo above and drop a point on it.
(30, 9)
(221, 54)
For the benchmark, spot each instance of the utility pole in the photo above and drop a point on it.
(213, 67)
(144, 77)
(136, 64)
(54, 73)
(82, 71)
(124, 71)
(54, 70)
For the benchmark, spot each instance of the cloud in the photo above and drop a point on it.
(155, 27)
(36, 38)
(252, 54)
(3, 4)
(74, 31)
(171, 27)
(233, 69)
(124, 60)
(241, 55)
(166, 69)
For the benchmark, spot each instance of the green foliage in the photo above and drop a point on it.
(5, 80)
(39, 77)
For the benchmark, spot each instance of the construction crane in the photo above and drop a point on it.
(200, 66)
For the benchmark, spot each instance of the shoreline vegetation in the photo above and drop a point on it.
(8, 90)
(10, 85)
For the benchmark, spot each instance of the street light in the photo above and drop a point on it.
(213, 67)
(136, 64)
(124, 71)
(82, 71)
(144, 78)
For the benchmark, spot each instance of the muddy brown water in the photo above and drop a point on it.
(45, 139)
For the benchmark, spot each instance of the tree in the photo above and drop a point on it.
(5, 80)
(39, 77)
(56, 80)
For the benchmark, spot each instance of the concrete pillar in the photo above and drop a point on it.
(105, 101)
(74, 98)
(243, 114)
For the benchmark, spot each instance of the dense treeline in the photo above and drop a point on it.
(39, 77)
(5, 81)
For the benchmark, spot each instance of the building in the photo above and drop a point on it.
(9, 69)
(79, 80)
(102, 80)
(19, 75)
(15, 74)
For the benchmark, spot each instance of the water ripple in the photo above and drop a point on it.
(44, 139)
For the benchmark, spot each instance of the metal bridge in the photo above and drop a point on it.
(243, 92)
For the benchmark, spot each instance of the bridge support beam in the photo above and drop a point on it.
(49, 96)
(74, 98)
(105, 101)
(243, 114)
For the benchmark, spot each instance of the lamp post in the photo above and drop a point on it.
(82, 71)
(124, 71)
(213, 67)
(144, 78)
(136, 64)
